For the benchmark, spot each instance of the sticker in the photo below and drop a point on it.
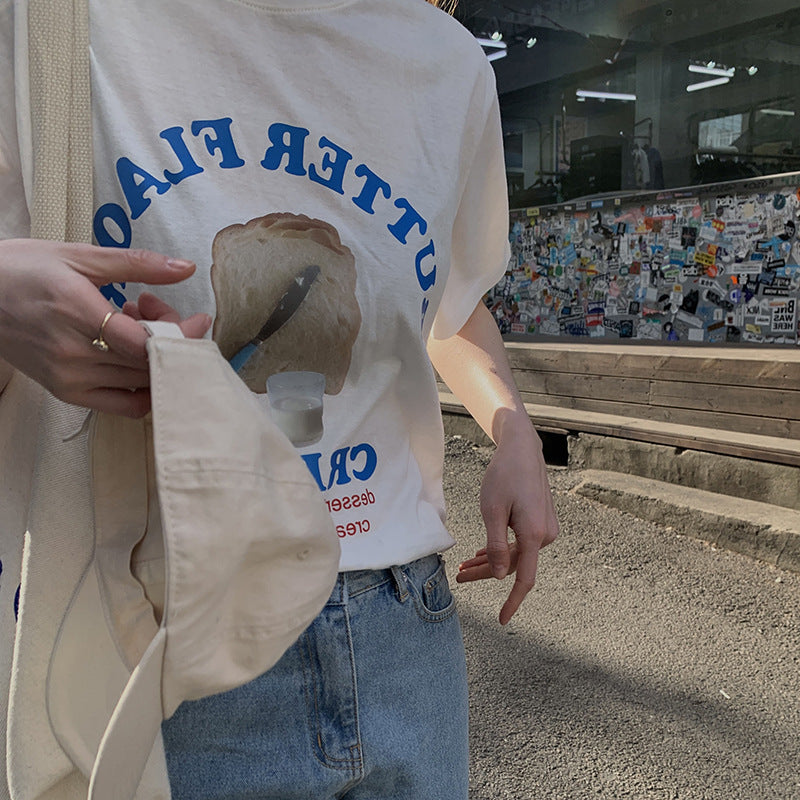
(737, 264)
(689, 319)
(784, 317)
(704, 259)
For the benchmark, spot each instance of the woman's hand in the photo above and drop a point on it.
(51, 310)
(515, 494)
(515, 491)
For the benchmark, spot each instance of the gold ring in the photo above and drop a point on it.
(100, 343)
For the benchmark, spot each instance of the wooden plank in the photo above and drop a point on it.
(766, 375)
(744, 400)
(767, 370)
(713, 420)
(602, 387)
(761, 448)
(666, 414)
(732, 353)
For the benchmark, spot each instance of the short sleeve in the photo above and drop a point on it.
(480, 246)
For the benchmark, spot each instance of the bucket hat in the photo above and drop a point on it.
(213, 551)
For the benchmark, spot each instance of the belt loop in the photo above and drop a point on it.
(400, 583)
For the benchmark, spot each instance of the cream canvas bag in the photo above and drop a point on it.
(54, 120)
(52, 58)
(149, 576)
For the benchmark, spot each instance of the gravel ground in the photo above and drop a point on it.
(645, 664)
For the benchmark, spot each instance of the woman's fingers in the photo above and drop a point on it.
(103, 265)
(126, 340)
(56, 327)
(151, 308)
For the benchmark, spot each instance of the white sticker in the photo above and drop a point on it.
(784, 317)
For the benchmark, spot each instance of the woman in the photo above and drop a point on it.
(234, 142)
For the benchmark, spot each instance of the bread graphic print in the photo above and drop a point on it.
(285, 291)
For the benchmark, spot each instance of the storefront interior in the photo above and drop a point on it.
(587, 86)
(653, 166)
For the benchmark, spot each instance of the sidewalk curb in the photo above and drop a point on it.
(760, 530)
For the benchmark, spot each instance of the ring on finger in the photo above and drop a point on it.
(100, 343)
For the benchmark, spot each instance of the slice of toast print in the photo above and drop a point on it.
(288, 279)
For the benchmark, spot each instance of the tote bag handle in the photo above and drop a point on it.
(60, 89)
(58, 46)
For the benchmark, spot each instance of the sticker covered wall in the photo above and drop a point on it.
(685, 266)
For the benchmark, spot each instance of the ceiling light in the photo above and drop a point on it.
(490, 43)
(726, 73)
(711, 64)
(776, 112)
(497, 54)
(496, 36)
(752, 70)
(531, 42)
(694, 87)
(605, 95)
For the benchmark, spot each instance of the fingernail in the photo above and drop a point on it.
(179, 263)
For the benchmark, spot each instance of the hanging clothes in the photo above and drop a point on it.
(641, 167)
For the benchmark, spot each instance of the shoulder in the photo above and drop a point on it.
(445, 31)
(433, 44)
(439, 26)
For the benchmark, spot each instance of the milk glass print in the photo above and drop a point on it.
(295, 400)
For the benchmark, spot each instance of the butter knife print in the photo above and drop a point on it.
(293, 272)
(287, 305)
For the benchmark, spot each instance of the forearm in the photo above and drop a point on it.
(474, 365)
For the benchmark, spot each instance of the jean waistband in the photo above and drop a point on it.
(349, 584)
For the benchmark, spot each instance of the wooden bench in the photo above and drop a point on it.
(737, 401)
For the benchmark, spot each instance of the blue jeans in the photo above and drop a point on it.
(369, 704)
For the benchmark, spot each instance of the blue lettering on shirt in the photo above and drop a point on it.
(287, 150)
(359, 462)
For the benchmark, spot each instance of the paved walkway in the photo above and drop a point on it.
(644, 665)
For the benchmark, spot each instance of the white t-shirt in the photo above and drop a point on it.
(371, 128)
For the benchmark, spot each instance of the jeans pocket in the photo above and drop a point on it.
(433, 599)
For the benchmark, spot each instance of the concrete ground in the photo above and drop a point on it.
(645, 664)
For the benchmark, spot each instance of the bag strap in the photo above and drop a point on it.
(60, 90)
(58, 52)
